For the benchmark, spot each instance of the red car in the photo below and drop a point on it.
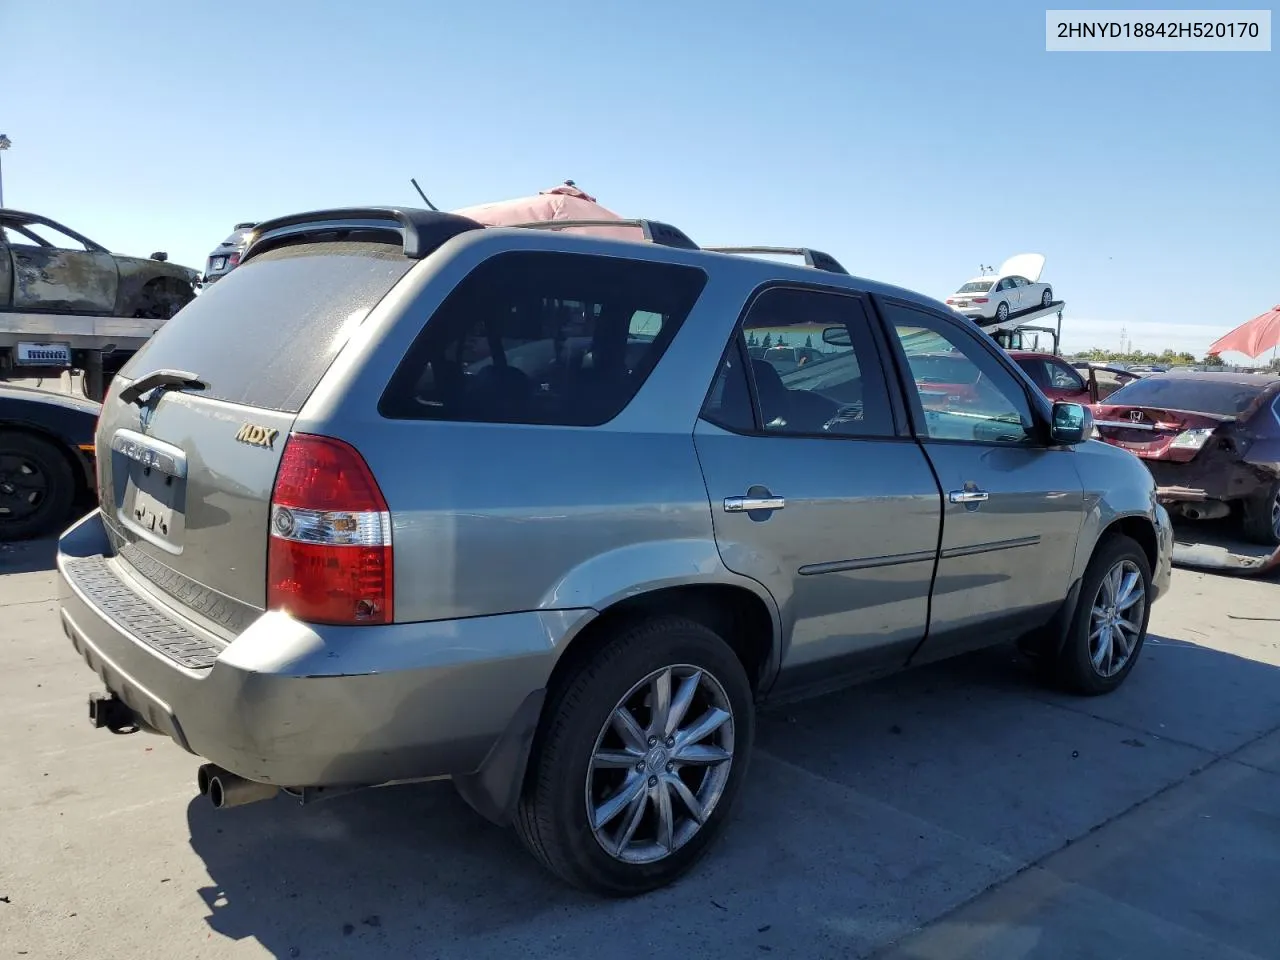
(1056, 378)
(1211, 440)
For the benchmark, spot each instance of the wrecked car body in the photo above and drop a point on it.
(1211, 440)
(46, 267)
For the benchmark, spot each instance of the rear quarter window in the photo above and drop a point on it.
(543, 338)
(265, 334)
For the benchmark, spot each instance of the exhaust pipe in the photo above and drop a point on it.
(225, 789)
(1208, 510)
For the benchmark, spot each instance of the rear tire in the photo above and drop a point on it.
(1094, 660)
(1002, 311)
(1046, 298)
(37, 486)
(1261, 515)
(581, 762)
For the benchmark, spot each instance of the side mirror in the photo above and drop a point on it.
(160, 255)
(1072, 423)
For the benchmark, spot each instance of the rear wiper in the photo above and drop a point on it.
(176, 379)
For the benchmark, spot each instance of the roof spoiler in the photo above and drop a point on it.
(421, 231)
(812, 258)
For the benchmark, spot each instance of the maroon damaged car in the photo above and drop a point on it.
(1211, 440)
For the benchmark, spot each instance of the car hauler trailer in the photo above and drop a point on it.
(1005, 332)
(42, 344)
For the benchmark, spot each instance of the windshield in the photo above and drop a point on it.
(1222, 398)
(236, 239)
(976, 286)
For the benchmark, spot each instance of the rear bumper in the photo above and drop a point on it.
(1209, 478)
(301, 705)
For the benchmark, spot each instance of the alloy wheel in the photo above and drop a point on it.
(1115, 622)
(660, 764)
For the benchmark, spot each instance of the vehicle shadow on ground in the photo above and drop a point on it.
(28, 556)
(867, 813)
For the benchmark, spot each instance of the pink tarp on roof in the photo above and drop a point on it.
(1253, 338)
(565, 202)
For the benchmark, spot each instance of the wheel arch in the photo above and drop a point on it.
(142, 289)
(1140, 528)
(745, 618)
(1137, 527)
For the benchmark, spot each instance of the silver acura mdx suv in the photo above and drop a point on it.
(515, 506)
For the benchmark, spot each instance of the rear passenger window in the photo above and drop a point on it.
(814, 364)
(543, 338)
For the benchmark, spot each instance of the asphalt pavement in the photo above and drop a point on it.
(959, 811)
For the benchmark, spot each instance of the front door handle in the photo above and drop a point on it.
(968, 496)
(746, 504)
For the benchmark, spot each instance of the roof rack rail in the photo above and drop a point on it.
(655, 231)
(422, 230)
(812, 258)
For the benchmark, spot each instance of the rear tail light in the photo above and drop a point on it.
(1192, 439)
(950, 300)
(233, 259)
(329, 559)
(981, 299)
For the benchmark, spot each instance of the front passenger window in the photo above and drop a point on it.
(962, 393)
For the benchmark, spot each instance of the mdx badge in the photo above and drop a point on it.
(257, 436)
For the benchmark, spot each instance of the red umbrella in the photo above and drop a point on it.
(565, 202)
(1254, 338)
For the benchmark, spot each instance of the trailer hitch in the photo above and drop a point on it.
(113, 713)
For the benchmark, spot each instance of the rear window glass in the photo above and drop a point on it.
(265, 334)
(979, 286)
(539, 337)
(1221, 397)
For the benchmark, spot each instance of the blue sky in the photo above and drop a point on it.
(913, 141)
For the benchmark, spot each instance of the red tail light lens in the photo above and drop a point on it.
(981, 300)
(329, 559)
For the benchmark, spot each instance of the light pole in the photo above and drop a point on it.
(5, 144)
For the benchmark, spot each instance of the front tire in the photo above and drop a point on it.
(1109, 626)
(641, 753)
(1261, 515)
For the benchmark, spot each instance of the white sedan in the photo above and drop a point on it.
(1015, 288)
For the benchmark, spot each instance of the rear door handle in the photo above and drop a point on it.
(968, 496)
(745, 504)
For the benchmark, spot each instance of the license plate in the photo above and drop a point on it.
(44, 354)
(153, 505)
(219, 263)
